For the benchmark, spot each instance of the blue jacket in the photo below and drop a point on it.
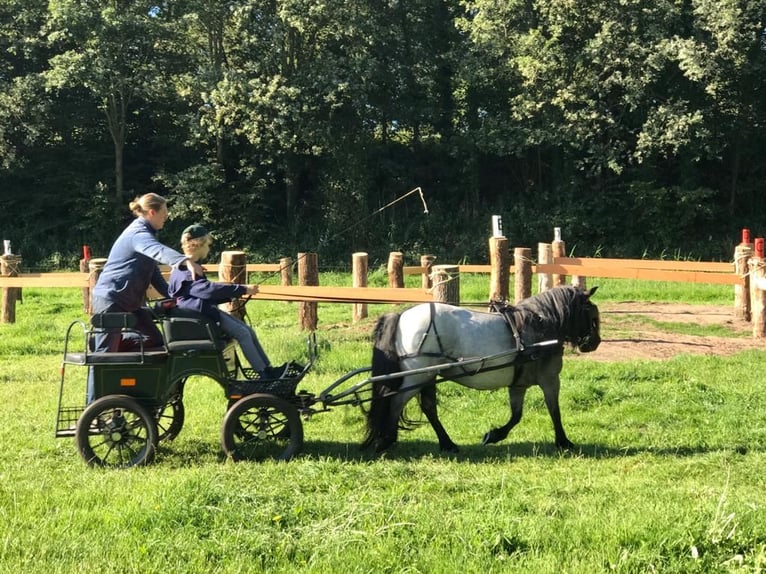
(132, 266)
(201, 295)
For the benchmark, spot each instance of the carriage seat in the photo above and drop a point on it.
(129, 350)
(187, 330)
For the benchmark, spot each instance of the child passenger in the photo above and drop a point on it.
(203, 296)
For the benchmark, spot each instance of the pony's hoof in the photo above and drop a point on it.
(565, 445)
(451, 448)
(489, 438)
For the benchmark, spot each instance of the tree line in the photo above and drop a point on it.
(637, 126)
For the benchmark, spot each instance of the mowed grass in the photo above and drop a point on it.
(668, 474)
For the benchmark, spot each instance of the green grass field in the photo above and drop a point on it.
(668, 477)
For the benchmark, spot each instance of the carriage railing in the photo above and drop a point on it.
(354, 391)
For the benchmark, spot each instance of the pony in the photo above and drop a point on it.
(517, 348)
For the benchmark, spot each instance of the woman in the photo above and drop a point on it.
(199, 294)
(131, 268)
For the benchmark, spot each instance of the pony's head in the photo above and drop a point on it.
(565, 313)
(586, 324)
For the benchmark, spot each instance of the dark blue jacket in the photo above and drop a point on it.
(201, 295)
(132, 266)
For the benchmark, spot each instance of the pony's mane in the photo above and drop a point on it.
(550, 311)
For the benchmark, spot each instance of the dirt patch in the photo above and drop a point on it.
(635, 330)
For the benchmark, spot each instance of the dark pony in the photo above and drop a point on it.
(519, 347)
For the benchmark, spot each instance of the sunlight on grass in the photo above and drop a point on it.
(667, 474)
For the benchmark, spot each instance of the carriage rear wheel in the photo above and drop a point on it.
(116, 431)
(261, 426)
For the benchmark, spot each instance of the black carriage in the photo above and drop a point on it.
(137, 397)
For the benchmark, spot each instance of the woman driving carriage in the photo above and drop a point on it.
(131, 268)
(197, 293)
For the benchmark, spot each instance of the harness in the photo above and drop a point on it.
(507, 312)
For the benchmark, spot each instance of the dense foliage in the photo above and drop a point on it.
(636, 126)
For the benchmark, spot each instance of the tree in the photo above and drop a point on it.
(117, 51)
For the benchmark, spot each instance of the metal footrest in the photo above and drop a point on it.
(283, 388)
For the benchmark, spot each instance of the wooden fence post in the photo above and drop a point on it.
(446, 284)
(500, 269)
(579, 281)
(544, 257)
(9, 267)
(757, 294)
(95, 266)
(84, 267)
(742, 253)
(308, 274)
(522, 265)
(286, 271)
(558, 247)
(427, 261)
(359, 270)
(396, 270)
(233, 269)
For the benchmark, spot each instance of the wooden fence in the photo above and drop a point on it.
(552, 272)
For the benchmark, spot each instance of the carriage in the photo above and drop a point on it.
(138, 393)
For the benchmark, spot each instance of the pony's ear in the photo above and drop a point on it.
(590, 292)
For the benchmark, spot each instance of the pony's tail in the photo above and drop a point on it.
(384, 361)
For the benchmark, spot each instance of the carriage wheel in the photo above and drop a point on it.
(116, 431)
(262, 426)
(170, 418)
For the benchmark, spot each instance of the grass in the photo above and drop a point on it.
(668, 474)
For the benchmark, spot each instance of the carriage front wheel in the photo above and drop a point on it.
(262, 426)
(116, 431)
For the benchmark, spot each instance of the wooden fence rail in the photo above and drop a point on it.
(580, 268)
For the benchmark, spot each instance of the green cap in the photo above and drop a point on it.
(195, 231)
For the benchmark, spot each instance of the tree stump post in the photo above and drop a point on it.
(522, 265)
(359, 266)
(286, 271)
(544, 257)
(427, 262)
(446, 284)
(233, 269)
(500, 269)
(558, 249)
(9, 267)
(742, 253)
(396, 270)
(308, 274)
(95, 266)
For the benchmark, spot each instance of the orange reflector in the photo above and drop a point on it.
(235, 396)
(127, 382)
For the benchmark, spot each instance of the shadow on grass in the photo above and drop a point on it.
(196, 451)
(417, 449)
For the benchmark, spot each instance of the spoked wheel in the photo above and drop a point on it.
(116, 431)
(170, 418)
(259, 427)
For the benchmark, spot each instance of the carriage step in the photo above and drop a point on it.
(66, 423)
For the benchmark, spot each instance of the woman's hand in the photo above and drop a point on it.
(195, 269)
